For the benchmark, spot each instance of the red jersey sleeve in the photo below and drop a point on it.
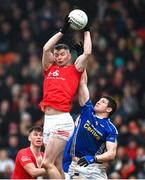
(24, 158)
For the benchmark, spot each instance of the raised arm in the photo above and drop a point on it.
(47, 58)
(81, 61)
(83, 93)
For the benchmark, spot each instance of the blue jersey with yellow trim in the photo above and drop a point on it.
(92, 133)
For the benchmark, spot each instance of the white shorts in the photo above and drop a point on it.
(58, 126)
(92, 171)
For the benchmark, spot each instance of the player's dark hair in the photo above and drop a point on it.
(112, 103)
(36, 128)
(61, 46)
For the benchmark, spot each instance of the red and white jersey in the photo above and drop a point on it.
(60, 86)
(24, 157)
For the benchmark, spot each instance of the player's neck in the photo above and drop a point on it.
(35, 150)
(37, 154)
(101, 115)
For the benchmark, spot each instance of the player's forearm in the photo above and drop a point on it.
(52, 41)
(87, 43)
(81, 62)
(38, 172)
(83, 93)
(107, 156)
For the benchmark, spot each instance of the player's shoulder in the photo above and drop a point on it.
(69, 66)
(72, 67)
(111, 127)
(47, 69)
(24, 151)
(88, 103)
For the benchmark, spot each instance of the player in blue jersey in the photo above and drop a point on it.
(95, 139)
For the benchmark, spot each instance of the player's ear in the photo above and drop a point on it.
(29, 138)
(70, 55)
(109, 109)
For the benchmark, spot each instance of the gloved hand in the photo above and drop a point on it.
(86, 160)
(66, 25)
(87, 28)
(78, 48)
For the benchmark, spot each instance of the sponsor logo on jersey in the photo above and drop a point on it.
(91, 129)
(55, 75)
(25, 158)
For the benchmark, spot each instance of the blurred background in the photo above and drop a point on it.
(116, 67)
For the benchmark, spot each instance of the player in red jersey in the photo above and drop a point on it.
(61, 79)
(28, 160)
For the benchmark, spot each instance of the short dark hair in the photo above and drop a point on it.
(36, 128)
(112, 103)
(61, 46)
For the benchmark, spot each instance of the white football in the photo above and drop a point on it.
(78, 19)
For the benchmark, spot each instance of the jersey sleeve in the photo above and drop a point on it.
(24, 158)
(112, 135)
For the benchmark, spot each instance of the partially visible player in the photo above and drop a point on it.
(95, 139)
(61, 79)
(28, 160)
